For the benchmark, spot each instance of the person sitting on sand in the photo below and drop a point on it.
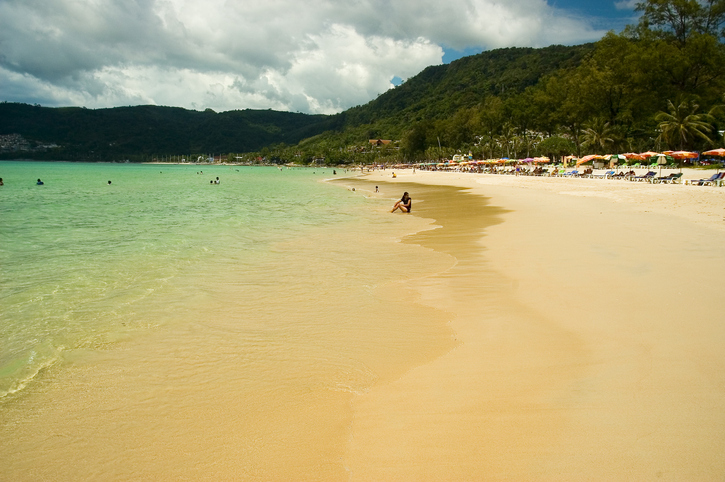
(405, 204)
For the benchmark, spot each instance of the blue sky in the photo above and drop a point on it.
(315, 56)
(601, 14)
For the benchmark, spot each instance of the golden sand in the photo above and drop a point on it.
(591, 337)
(546, 329)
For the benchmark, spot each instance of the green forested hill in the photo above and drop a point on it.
(438, 92)
(130, 132)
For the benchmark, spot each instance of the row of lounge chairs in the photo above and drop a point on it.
(650, 176)
(714, 180)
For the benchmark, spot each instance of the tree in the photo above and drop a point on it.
(506, 139)
(680, 20)
(555, 146)
(682, 125)
(683, 39)
(414, 141)
(598, 135)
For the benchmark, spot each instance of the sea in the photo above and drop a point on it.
(157, 325)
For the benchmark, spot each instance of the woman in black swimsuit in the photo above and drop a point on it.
(405, 204)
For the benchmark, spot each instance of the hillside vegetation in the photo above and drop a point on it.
(654, 86)
(141, 132)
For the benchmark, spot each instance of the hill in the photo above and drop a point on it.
(141, 131)
(135, 132)
(438, 92)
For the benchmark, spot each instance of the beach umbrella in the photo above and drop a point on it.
(528, 159)
(616, 158)
(567, 159)
(683, 154)
(588, 158)
(661, 160)
(648, 154)
(716, 153)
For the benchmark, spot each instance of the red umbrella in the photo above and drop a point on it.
(715, 152)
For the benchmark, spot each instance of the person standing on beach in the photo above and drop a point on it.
(405, 204)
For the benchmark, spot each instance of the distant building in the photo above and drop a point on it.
(379, 142)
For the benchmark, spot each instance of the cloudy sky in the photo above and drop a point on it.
(312, 56)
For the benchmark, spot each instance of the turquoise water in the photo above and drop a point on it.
(79, 256)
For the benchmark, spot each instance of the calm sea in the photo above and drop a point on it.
(78, 255)
(176, 328)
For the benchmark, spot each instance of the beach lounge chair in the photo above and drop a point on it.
(606, 175)
(703, 182)
(573, 173)
(646, 177)
(715, 182)
(671, 179)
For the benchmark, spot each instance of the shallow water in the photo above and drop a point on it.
(164, 327)
(78, 255)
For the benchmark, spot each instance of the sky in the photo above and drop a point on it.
(315, 57)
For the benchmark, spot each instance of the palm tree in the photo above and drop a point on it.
(506, 139)
(681, 125)
(598, 135)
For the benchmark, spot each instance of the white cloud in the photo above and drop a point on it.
(626, 4)
(317, 56)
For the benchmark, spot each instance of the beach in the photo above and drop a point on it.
(589, 329)
(510, 328)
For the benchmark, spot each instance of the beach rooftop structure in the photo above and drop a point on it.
(379, 142)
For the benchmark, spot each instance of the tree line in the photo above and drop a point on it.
(657, 85)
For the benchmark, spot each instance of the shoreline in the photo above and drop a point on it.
(511, 328)
(589, 341)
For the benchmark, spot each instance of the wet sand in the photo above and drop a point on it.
(588, 318)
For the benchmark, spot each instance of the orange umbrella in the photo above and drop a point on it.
(634, 155)
(715, 152)
(684, 155)
(588, 158)
(648, 154)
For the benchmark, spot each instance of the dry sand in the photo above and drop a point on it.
(590, 335)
